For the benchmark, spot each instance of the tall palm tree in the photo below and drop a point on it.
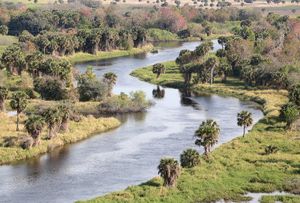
(244, 119)
(53, 119)
(111, 79)
(211, 64)
(66, 109)
(3, 96)
(34, 126)
(158, 69)
(207, 135)
(19, 103)
(169, 170)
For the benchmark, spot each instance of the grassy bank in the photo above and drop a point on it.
(85, 57)
(235, 168)
(85, 128)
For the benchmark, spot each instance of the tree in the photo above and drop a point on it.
(169, 170)
(189, 158)
(3, 30)
(34, 126)
(53, 120)
(294, 94)
(19, 103)
(244, 119)
(211, 64)
(66, 109)
(207, 135)
(289, 113)
(111, 79)
(158, 69)
(222, 41)
(14, 59)
(3, 96)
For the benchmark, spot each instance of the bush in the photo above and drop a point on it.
(26, 142)
(92, 89)
(189, 158)
(123, 103)
(271, 149)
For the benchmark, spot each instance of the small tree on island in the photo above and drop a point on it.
(189, 158)
(207, 135)
(158, 69)
(19, 103)
(66, 109)
(169, 170)
(244, 119)
(34, 126)
(3, 96)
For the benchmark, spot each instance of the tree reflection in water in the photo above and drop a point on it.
(158, 93)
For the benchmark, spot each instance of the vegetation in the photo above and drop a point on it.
(245, 120)
(169, 170)
(207, 135)
(189, 158)
(11, 152)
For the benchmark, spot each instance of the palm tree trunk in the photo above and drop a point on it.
(2, 105)
(212, 75)
(244, 131)
(18, 120)
(64, 127)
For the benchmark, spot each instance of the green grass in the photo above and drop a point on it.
(87, 127)
(280, 198)
(84, 57)
(235, 168)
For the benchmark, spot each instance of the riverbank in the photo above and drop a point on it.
(83, 129)
(234, 168)
(80, 57)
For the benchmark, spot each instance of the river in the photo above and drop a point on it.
(130, 154)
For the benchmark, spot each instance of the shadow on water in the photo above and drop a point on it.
(158, 92)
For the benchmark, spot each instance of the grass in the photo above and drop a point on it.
(85, 57)
(85, 128)
(155, 34)
(235, 168)
(280, 198)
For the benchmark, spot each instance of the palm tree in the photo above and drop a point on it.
(53, 119)
(3, 96)
(34, 126)
(211, 64)
(66, 109)
(169, 170)
(158, 69)
(289, 113)
(244, 118)
(207, 135)
(204, 48)
(19, 103)
(189, 158)
(111, 79)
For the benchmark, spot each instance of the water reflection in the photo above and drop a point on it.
(158, 93)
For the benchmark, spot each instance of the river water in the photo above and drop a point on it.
(130, 154)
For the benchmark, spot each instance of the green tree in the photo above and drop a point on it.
(169, 170)
(158, 69)
(14, 59)
(244, 119)
(207, 135)
(34, 126)
(66, 109)
(19, 103)
(3, 96)
(294, 94)
(53, 119)
(289, 113)
(189, 158)
(111, 79)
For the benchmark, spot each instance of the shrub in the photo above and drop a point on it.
(50, 88)
(123, 103)
(271, 149)
(189, 158)
(26, 142)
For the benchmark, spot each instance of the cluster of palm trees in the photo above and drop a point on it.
(207, 135)
(56, 118)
